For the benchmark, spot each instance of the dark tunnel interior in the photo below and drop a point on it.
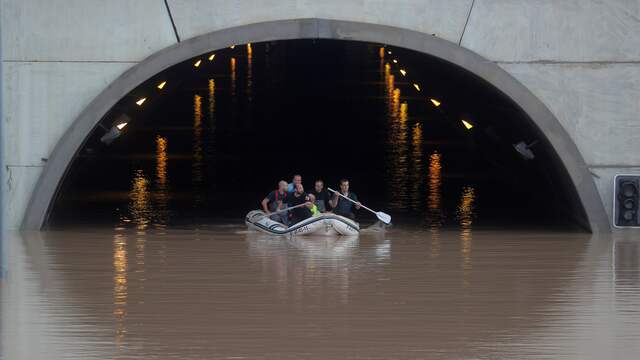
(424, 140)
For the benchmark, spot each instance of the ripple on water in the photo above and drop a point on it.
(224, 292)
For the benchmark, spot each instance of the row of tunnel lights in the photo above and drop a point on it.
(211, 57)
(197, 64)
(162, 85)
(468, 125)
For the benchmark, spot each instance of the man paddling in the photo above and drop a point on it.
(276, 200)
(342, 206)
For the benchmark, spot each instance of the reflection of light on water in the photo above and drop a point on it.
(435, 241)
(389, 89)
(197, 149)
(140, 201)
(120, 284)
(161, 162)
(211, 140)
(397, 147)
(249, 72)
(435, 216)
(232, 63)
(416, 165)
(398, 156)
(212, 103)
(162, 187)
(434, 210)
(146, 207)
(465, 213)
(465, 208)
(140, 248)
(395, 105)
(383, 251)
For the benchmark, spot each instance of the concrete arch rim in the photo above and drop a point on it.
(64, 152)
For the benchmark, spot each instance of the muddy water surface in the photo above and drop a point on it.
(224, 293)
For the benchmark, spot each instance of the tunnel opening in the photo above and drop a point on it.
(205, 140)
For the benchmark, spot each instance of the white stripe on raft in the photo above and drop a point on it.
(325, 224)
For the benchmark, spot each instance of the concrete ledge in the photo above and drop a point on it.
(73, 139)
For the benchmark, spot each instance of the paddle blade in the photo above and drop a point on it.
(385, 218)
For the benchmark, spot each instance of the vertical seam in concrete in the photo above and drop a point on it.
(175, 30)
(3, 194)
(473, 2)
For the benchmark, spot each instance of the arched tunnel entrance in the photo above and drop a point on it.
(422, 128)
(208, 138)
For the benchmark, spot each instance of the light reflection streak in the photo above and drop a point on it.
(232, 63)
(140, 201)
(162, 186)
(416, 165)
(120, 286)
(212, 103)
(435, 217)
(197, 175)
(397, 147)
(249, 73)
(465, 213)
(211, 140)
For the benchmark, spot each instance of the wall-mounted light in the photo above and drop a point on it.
(416, 86)
(435, 102)
(141, 101)
(116, 129)
(467, 124)
(161, 85)
(211, 57)
(395, 61)
(232, 47)
(403, 72)
(197, 63)
(389, 52)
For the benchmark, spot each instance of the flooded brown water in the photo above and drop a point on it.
(224, 293)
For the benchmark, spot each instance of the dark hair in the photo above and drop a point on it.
(296, 175)
(319, 180)
(343, 180)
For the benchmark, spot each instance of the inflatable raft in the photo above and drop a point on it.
(325, 224)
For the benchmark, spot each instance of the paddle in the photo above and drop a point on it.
(285, 210)
(385, 218)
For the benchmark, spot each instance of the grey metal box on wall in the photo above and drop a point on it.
(626, 201)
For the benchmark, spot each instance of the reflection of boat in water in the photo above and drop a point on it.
(325, 224)
(322, 247)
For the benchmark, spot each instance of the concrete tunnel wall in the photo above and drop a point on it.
(581, 58)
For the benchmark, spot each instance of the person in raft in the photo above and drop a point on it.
(298, 198)
(275, 201)
(342, 206)
(321, 196)
(297, 179)
(311, 205)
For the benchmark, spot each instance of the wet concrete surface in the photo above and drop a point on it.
(221, 292)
